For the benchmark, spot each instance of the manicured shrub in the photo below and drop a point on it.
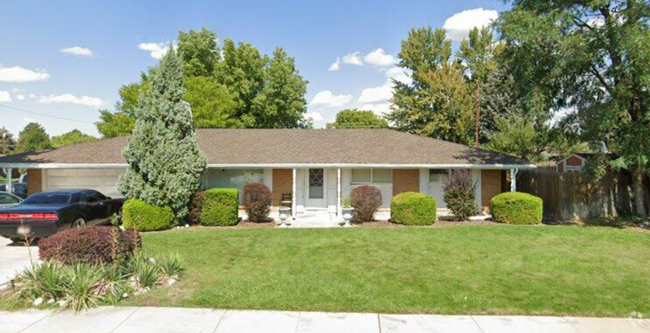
(413, 208)
(89, 245)
(220, 207)
(460, 192)
(141, 216)
(365, 200)
(517, 208)
(196, 205)
(257, 201)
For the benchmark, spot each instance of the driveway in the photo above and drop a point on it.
(14, 257)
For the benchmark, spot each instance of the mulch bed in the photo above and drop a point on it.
(255, 225)
(438, 224)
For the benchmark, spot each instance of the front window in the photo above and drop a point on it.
(372, 176)
(437, 175)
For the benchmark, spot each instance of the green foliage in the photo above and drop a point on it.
(517, 137)
(81, 282)
(590, 56)
(413, 208)
(438, 102)
(8, 144)
(220, 207)
(516, 208)
(33, 138)
(165, 163)
(171, 264)
(354, 118)
(71, 138)
(234, 86)
(347, 202)
(198, 51)
(212, 104)
(141, 216)
(111, 125)
(459, 194)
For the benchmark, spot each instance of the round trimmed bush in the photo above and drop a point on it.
(220, 207)
(413, 208)
(141, 216)
(257, 201)
(517, 208)
(91, 245)
(365, 200)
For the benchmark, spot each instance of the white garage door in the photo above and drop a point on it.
(102, 180)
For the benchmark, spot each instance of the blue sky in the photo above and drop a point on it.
(46, 66)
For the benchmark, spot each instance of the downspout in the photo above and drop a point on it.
(513, 179)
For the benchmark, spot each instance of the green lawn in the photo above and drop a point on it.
(542, 270)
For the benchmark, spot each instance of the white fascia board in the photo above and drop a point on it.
(64, 165)
(359, 165)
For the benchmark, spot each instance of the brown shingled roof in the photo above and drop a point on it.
(290, 146)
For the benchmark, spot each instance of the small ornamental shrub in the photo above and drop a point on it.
(413, 208)
(257, 201)
(460, 193)
(90, 245)
(220, 207)
(196, 205)
(365, 200)
(517, 208)
(141, 216)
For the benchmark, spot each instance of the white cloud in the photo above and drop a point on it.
(377, 94)
(327, 99)
(156, 50)
(5, 96)
(348, 59)
(20, 97)
(399, 74)
(78, 51)
(19, 74)
(71, 99)
(379, 58)
(379, 108)
(459, 24)
(314, 116)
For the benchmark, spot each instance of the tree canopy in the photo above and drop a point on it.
(591, 57)
(33, 138)
(232, 86)
(73, 137)
(353, 118)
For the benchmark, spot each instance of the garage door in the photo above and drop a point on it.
(102, 180)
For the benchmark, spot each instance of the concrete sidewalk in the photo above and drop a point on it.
(181, 320)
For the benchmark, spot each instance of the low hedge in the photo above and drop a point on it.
(220, 207)
(413, 208)
(91, 245)
(517, 208)
(141, 216)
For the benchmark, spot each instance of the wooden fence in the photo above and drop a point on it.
(572, 196)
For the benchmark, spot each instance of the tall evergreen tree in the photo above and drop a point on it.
(165, 163)
(33, 138)
(7, 142)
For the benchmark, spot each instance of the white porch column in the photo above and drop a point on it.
(294, 173)
(8, 186)
(513, 179)
(338, 192)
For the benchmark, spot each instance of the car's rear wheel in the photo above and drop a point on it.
(78, 223)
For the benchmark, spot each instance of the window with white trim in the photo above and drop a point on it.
(381, 176)
(438, 175)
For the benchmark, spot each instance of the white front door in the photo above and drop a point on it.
(316, 189)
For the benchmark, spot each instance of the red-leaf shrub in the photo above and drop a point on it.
(89, 245)
(196, 206)
(365, 200)
(257, 201)
(460, 192)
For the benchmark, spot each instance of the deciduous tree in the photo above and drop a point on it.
(73, 137)
(353, 118)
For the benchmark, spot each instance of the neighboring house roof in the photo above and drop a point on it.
(244, 147)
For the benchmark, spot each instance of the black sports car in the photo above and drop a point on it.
(45, 213)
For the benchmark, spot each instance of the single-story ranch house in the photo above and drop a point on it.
(314, 168)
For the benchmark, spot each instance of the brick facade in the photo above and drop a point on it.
(282, 183)
(34, 181)
(490, 186)
(406, 180)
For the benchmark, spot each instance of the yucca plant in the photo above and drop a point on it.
(171, 265)
(46, 280)
(145, 271)
(81, 288)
